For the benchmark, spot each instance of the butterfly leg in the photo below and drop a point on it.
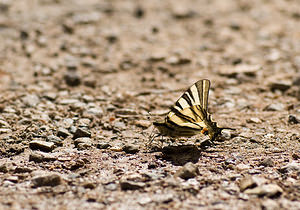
(175, 141)
(161, 141)
(152, 137)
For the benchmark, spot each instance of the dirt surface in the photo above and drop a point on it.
(82, 82)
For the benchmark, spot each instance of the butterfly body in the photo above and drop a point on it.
(189, 115)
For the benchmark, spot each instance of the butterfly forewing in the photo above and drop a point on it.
(197, 94)
(192, 105)
(203, 89)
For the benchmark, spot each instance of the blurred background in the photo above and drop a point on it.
(79, 80)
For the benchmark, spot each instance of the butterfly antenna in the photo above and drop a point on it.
(228, 129)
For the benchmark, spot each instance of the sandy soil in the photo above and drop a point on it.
(82, 82)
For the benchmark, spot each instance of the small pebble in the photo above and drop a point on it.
(62, 132)
(21, 169)
(47, 180)
(94, 111)
(31, 100)
(296, 156)
(269, 190)
(75, 164)
(242, 167)
(13, 179)
(130, 148)
(293, 120)
(68, 101)
(131, 185)
(174, 60)
(226, 134)
(89, 185)
(274, 107)
(267, 162)
(103, 145)
(181, 11)
(111, 186)
(84, 146)
(157, 56)
(5, 130)
(144, 199)
(39, 157)
(86, 18)
(276, 150)
(116, 149)
(139, 12)
(163, 198)
(282, 85)
(235, 27)
(125, 112)
(4, 124)
(67, 122)
(50, 96)
(254, 120)
(247, 183)
(274, 55)
(41, 145)
(84, 122)
(81, 132)
(56, 140)
(290, 167)
(90, 82)
(189, 170)
(72, 78)
(119, 125)
(143, 123)
(3, 168)
(7, 183)
(83, 140)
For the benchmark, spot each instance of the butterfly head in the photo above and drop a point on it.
(213, 131)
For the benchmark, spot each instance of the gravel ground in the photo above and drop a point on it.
(82, 82)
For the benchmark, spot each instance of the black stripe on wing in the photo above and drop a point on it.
(203, 91)
(182, 116)
(177, 104)
(202, 115)
(172, 123)
(187, 98)
(189, 91)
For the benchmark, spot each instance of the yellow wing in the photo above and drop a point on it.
(190, 109)
(197, 94)
(189, 115)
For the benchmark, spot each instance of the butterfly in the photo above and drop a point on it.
(189, 116)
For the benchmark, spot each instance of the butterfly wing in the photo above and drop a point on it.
(189, 115)
(190, 110)
(197, 94)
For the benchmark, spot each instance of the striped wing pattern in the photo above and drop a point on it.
(187, 117)
(197, 94)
